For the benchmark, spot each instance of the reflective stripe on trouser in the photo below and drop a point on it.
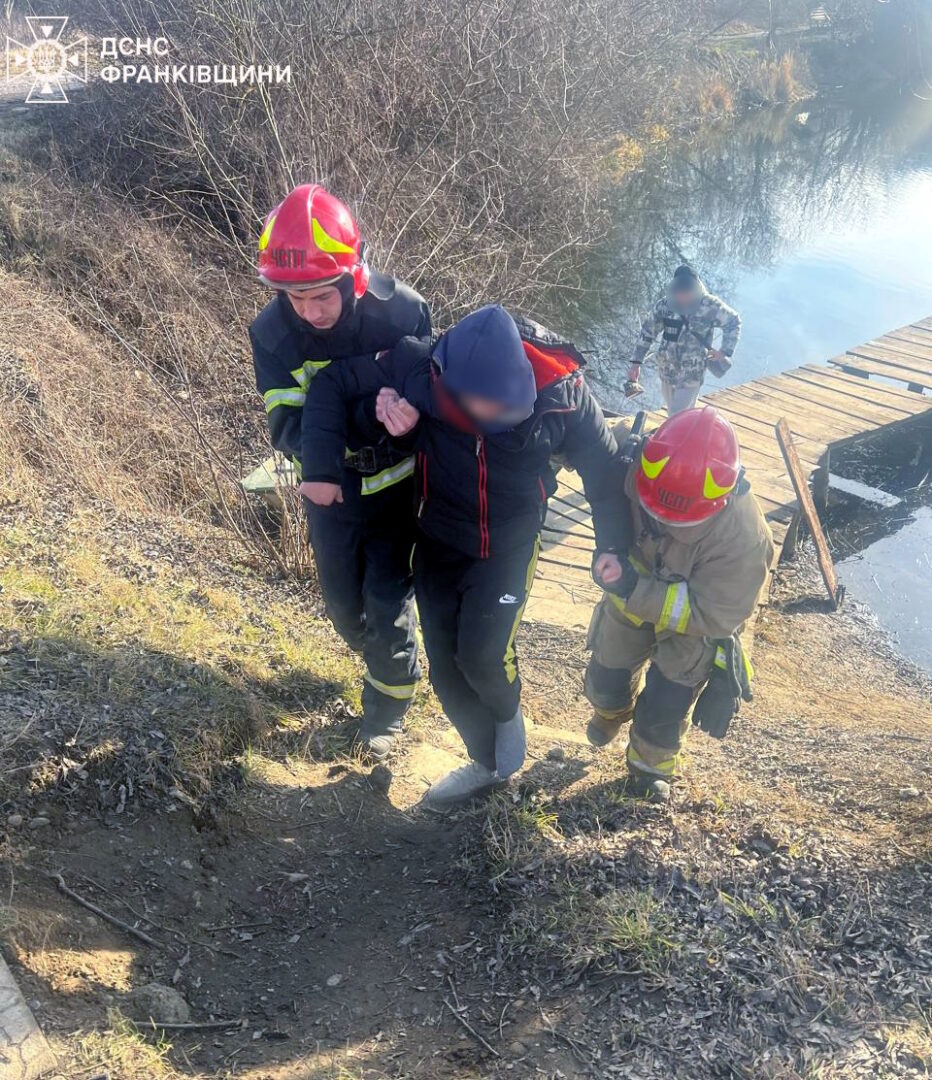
(366, 584)
(470, 612)
(679, 667)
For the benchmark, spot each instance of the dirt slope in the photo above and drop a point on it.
(175, 729)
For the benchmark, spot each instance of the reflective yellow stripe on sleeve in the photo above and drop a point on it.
(675, 610)
(381, 480)
(303, 375)
(286, 396)
(400, 693)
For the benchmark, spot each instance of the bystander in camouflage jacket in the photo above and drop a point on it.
(686, 335)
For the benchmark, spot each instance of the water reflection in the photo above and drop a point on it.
(813, 221)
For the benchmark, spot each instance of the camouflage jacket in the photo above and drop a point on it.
(686, 335)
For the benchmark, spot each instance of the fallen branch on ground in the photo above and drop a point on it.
(105, 915)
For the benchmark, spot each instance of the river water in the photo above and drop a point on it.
(815, 222)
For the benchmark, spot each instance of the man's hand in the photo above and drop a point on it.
(607, 567)
(387, 397)
(717, 354)
(321, 494)
(400, 418)
(614, 573)
(634, 372)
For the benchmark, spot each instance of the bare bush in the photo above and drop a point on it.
(470, 139)
(462, 134)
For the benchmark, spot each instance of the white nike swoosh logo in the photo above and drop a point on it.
(508, 599)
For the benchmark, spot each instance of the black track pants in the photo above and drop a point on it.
(363, 563)
(470, 610)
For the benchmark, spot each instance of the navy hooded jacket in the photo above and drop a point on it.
(288, 353)
(481, 493)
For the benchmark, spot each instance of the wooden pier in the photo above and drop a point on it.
(876, 386)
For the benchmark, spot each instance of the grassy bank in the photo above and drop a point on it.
(180, 756)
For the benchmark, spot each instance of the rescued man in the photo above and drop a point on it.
(699, 556)
(685, 319)
(330, 308)
(488, 407)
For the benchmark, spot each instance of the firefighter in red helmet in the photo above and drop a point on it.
(665, 635)
(330, 308)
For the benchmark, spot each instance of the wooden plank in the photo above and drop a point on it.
(813, 450)
(854, 390)
(876, 367)
(844, 401)
(814, 414)
(896, 396)
(916, 353)
(836, 592)
(908, 336)
(751, 440)
(801, 424)
(892, 358)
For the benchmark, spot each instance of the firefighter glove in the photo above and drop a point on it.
(728, 685)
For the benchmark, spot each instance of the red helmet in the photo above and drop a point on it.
(311, 239)
(688, 467)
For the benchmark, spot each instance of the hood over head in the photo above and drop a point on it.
(483, 356)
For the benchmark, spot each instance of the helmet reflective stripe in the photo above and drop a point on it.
(266, 233)
(711, 490)
(652, 469)
(329, 243)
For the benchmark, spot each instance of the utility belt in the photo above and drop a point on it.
(369, 460)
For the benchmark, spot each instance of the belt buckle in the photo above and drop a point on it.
(364, 460)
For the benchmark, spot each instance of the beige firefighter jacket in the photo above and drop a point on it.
(704, 579)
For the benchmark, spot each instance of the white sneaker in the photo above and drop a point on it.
(462, 784)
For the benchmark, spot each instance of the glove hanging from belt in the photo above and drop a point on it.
(728, 685)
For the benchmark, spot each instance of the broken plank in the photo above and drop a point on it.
(879, 367)
(836, 592)
(892, 358)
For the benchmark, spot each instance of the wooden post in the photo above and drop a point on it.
(794, 466)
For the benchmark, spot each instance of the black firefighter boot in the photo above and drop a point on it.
(649, 786)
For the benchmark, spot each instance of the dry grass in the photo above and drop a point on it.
(778, 82)
(128, 661)
(716, 98)
(121, 1050)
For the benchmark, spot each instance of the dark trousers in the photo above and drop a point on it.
(470, 611)
(363, 560)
